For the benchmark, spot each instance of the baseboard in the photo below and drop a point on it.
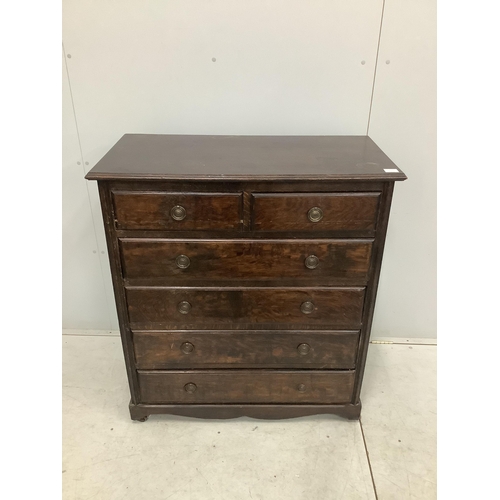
(91, 333)
(403, 340)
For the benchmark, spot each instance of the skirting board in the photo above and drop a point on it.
(374, 340)
(401, 340)
(91, 333)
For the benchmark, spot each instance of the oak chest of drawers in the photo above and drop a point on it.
(245, 269)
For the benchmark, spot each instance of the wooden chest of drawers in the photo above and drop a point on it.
(245, 269)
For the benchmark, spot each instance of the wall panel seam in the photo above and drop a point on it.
(108, 308)
(376, 65)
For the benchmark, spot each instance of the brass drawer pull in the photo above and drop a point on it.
(190, 387)
(315, 214)
(182, 261)
(311, 262)
(184, 307)
(301, 388)
(303, 349)
(187, 347)
(178, 212)
(307, 307)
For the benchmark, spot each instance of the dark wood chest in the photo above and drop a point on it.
(245, 269)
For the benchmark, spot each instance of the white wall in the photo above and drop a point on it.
(403, 124)
(281, 67)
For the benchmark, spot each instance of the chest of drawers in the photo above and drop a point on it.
(245, 269)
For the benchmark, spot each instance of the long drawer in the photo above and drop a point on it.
(246, 386)
(214, 308)
(317, 261)
(249, 349)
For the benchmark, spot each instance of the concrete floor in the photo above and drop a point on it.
(389, 454)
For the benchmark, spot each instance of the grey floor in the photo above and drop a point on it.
(389, 454)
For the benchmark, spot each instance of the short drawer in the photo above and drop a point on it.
(211, 308)
(318, 261)
(246, 386)
(261, 349)
(177, 211)
(315, 211)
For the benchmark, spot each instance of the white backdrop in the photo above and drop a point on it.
(253, 67)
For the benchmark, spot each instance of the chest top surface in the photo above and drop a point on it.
(223, 157)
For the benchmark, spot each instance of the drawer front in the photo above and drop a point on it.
(198, 308)
(185, 350)
(246, 386)
(315, 211)
(317, 261)
(177, 211)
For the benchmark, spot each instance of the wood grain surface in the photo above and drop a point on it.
(231, 260)
(151, 210)
(249, 349)
(289, 212)
(157, 308)
(246, 386)
(149, 156)
(263, 411)
(219, 314)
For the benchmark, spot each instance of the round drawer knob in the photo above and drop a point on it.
(307, 307)
(178, 212)
(187, 347)
(311, 262)
(301, 388)
(315, 214)
(190, 387)
(184, 307)
(182, 261)
(303, 349)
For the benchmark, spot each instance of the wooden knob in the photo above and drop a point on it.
(311, 262)
(182, 261)
(187, 347)
(301, 388)
(178, 212)
(190, 387)
(303, 349)
(307, 307)
(184, 307)
(315, 214)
